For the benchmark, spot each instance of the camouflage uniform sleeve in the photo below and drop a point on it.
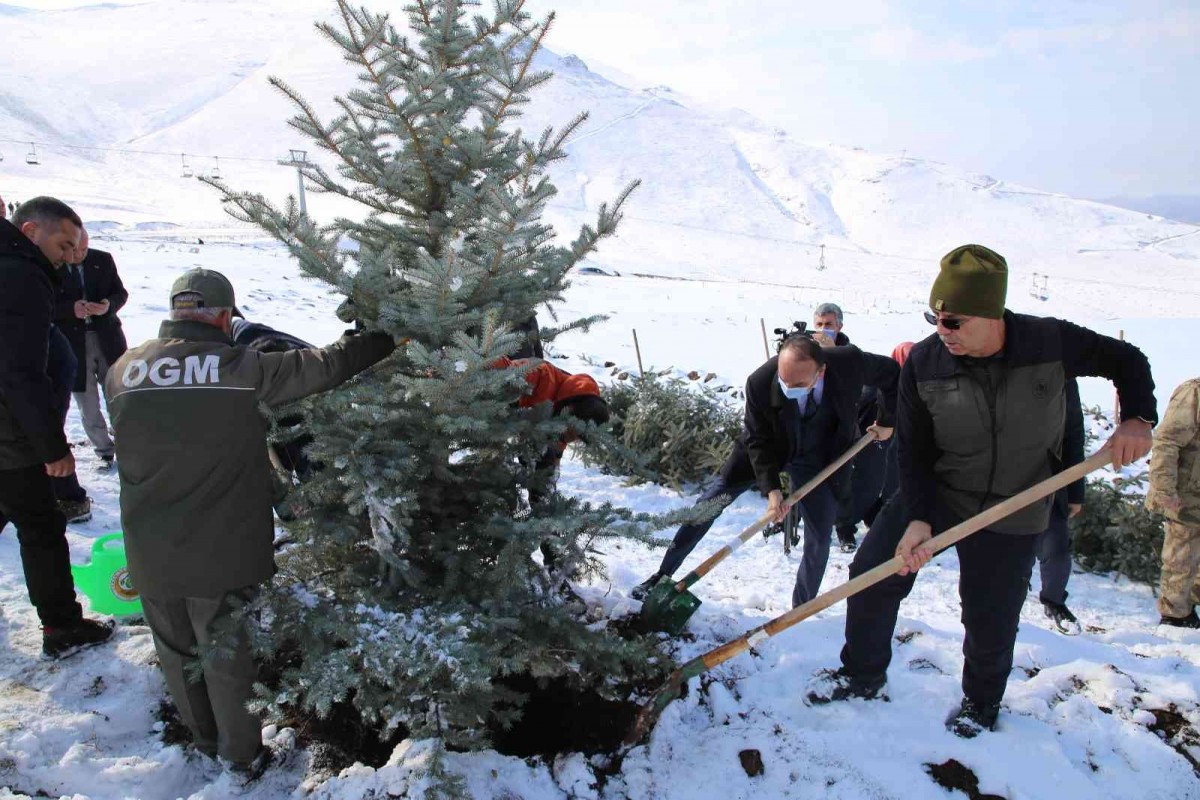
(1176, 431)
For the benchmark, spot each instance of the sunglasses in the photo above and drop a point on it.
(949, 323)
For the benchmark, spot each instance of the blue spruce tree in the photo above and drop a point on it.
(411, 589)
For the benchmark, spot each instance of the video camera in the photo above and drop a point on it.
(798, 329)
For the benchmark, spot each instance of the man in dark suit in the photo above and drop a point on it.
(801, 414)
(86, 306)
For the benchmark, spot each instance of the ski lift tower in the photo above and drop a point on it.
(299, 160)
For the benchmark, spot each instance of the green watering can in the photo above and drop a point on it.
(105, 580)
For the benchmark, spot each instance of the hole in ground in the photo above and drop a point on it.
(560, 718)
(342, 739)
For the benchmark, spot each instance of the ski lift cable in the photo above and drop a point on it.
(131, 151)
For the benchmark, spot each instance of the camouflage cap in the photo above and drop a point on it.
(973, 282)
(214, 289)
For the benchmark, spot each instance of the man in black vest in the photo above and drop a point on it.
(801, 414)
(85, 308)
(980, 418)
(33, 449)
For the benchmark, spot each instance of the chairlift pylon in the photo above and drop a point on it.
(216, 170)
(32, 157)
(187, 169)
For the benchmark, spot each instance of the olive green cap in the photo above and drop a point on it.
(214, 289)
(973, 282)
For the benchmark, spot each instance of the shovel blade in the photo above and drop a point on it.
(667, 609)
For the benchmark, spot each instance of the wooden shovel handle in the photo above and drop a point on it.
(795, 497)
(892, 566)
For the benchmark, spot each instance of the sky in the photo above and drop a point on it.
(1092, 98)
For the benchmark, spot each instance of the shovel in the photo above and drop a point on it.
(669, 604)
(674, 685)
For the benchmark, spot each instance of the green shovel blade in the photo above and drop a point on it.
(667, 609)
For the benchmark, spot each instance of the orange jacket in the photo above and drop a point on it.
(550, 384)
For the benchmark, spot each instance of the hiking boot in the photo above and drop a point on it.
(1190, 621)
(106, 463)
(254, 769)
(846, 540)
(640, 591)
(1064, 620)
(972, 719)
(60, 642)
(831, 686)
(76, 510)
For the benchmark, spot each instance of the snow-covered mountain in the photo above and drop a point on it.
(723, 195)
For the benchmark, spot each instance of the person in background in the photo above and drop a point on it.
(41, 237)
(86, 306)
(828, 321)
(556, 392)
(1175, 493)
(1054, 543)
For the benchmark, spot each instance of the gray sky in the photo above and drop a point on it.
(1093, 98)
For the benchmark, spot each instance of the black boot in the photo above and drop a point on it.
(639, 592)
(1190, 621)
(972, 719)
(63, 641)
(830, 686)
(1064, 620)
(845, 535)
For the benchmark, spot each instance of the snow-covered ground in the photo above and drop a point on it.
(1079, 711)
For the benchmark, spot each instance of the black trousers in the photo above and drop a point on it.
(1054, 555)
(867, 474)
(993, 580)
(27, 501)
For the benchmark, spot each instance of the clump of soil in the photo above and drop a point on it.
(174, 731)
(953, 775)
(1177, 732)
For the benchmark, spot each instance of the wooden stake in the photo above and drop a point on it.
(638, 350)
(766, 348)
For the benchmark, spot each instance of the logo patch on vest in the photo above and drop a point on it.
(950, 385)
(1041, 389)
(169, 371)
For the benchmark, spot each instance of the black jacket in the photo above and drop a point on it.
(963, 446)
(101, 282)
(847, 370)
(31, 430)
